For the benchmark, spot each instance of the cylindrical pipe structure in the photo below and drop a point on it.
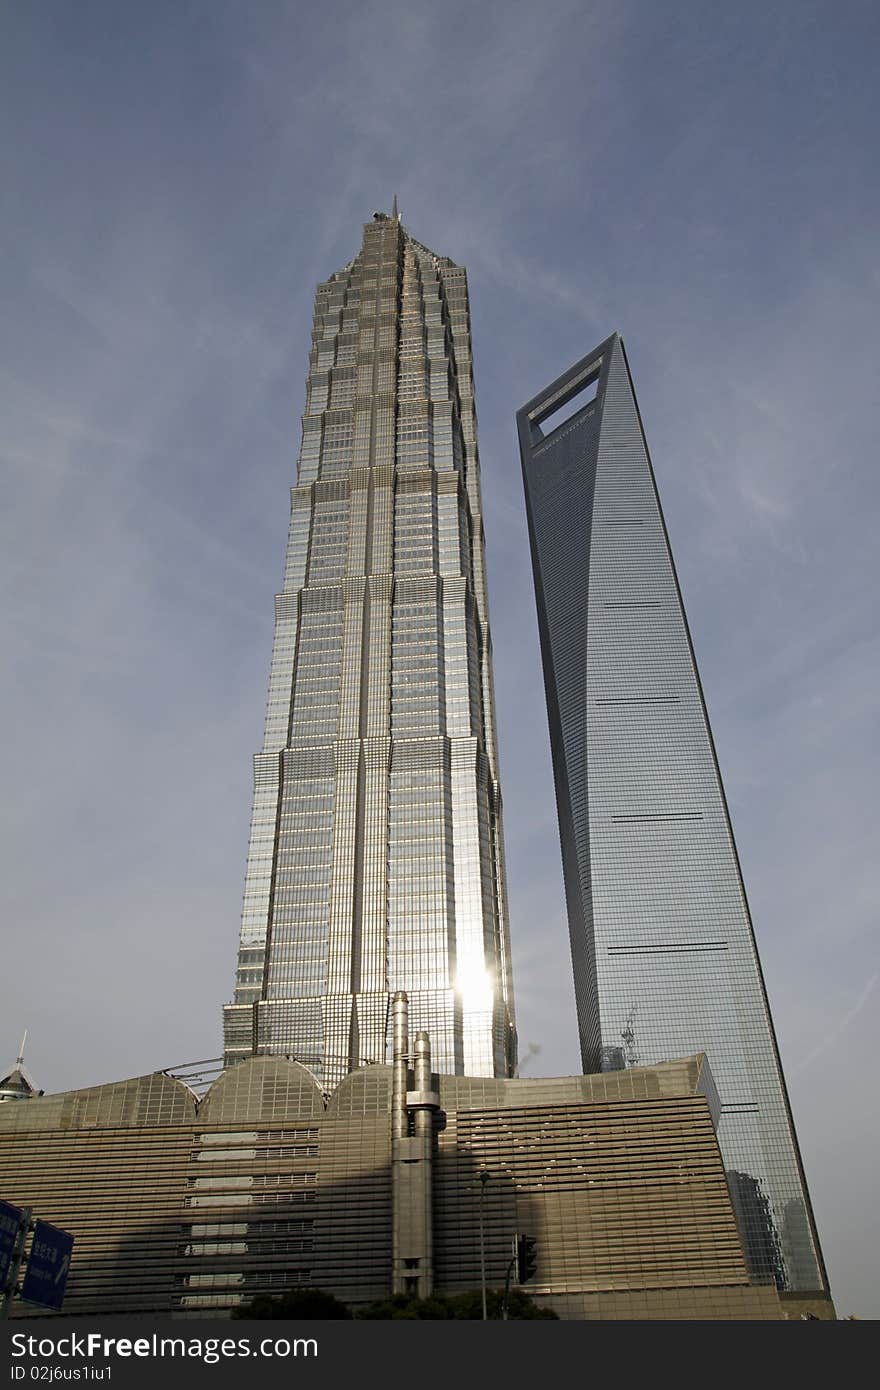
(424, 1120)
(400, 1021)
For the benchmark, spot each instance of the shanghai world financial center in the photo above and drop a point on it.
(376, 852)
(662, 946)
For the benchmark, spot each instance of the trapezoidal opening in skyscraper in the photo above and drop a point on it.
(564, 402)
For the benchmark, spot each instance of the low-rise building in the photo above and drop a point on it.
(191, 1207)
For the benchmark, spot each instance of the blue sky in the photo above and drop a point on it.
(175, 179)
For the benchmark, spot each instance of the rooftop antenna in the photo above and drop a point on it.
(394, 213)
(629, 1039)
(20, 1058)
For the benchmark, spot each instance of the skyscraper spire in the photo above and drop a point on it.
(19, 1084)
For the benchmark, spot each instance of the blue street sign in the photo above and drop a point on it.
(48, 1264)
(10, 1223)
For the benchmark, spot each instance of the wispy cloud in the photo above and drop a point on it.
(835, 1033)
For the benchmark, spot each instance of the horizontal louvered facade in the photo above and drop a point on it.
(192, 1208)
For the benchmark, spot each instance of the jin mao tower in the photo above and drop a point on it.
(376, 861)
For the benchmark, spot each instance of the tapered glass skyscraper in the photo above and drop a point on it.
(664, 956)
(376, 860)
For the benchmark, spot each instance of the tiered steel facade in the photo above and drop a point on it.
(664, 956)
(376, 859)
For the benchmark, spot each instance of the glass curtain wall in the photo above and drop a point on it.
(664, 956)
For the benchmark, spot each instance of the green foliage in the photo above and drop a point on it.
(401, 1305)
(296, 1303)
(462, 1305)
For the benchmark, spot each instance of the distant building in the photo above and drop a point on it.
(193, 1208)
(19, 1084)
(665, 961)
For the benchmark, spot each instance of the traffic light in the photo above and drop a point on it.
(526, 1258)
